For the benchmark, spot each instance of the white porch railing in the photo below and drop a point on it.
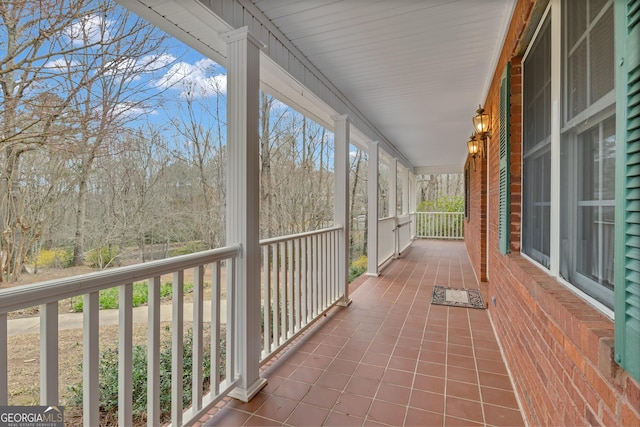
(300, 282)
(440, 225)
(48, 294)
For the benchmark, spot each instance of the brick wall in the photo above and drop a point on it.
(558, 348)
(475, 229)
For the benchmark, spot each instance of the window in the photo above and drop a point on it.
(587, 145)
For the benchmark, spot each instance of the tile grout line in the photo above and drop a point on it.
(475, 363)
(424, 328)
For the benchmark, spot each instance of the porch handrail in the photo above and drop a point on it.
(24, 296)
(278, 239)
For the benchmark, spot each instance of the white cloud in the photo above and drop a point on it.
(194, 80)
(88, 30)
(61, 64)
(131, 110)
(155, 62)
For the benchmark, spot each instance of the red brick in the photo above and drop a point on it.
(602, 387)
(589, 395)
(629, 416)
(556, 333)
(608, 418)
(632, 392)
(574, 354)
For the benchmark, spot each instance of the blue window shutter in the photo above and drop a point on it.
(627, 258)
(504, 180)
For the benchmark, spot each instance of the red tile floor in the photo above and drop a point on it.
(391, 357)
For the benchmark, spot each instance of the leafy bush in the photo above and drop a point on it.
(108, 378)
(55, 258)
(189, 248)
(109, 297)
(357, 268)
(443, 204)
(103, 257)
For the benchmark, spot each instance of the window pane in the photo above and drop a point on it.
(587, 209)
(588, 54)
(575, 14)
(537, 88)
(589, 154)
(536, 209)
(594, 258)
(602, 56)
(595, 6)
(609, 160)
(577, 80)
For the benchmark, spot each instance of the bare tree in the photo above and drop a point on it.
(200, 135)
(121, 49)
(31, 34)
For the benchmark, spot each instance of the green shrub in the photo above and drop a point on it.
(55, 258)
(103, 257)
(109, 297)
(357, 268)
(443, 204)
(108, 379)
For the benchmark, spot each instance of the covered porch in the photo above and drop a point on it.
(390, 358)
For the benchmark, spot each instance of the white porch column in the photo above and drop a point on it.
(341, 200)
(393, 187)
(243, 203)
(372, 222)
(412, 202)
(405, 191)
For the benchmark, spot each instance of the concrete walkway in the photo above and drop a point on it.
(31, 325)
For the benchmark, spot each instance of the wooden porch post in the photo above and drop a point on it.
(372, 195)
(243, 203)
(393, 188)
(341, 201)
(405, 191)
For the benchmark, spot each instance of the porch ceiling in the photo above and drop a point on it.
(412, 71)
(417, 69)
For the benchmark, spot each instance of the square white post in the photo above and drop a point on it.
(243, 203)
(412, 202)
(341, 201)
(372, 196)
(393, 203)
(405, 191)
(393, 188)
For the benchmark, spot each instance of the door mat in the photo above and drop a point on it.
(469, 298)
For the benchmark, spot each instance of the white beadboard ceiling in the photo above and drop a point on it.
(415, 69)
